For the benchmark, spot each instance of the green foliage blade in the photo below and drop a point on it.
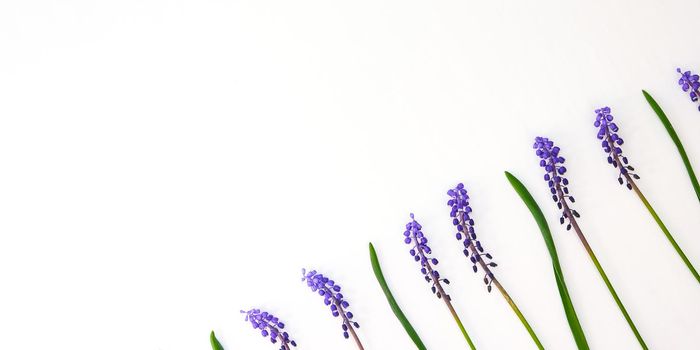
(672, 133)
(215, 345)
(574, 324)
(392, 302)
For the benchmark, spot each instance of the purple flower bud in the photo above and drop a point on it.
(553, 165)
(607, 131)
(421, 250)
(269, 326)
(689, 83)
(332, 296)
(459, 204)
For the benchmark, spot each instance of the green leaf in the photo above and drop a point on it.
(392, 302)
(569, 310)
(672, 133)
(215, 345)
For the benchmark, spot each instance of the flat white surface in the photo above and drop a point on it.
(164, 164)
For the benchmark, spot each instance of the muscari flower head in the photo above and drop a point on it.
(690, 83)
(269, 326)
(553, 164)
(611, 142)
(420, 251)
(332, 297)
(460, 212)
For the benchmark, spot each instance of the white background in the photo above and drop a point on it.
(164, 164)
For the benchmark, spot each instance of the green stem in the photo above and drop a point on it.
(459, 322)
(518, 313)
(665, 230)
(612, 292)
(498, 285)
(605, 278)
(572, 219)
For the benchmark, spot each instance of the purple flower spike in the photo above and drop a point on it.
(690, 83)
(333, 298)
(611, 142)
(553, 164)
(269, 326)
(420, 251)
(460, 214)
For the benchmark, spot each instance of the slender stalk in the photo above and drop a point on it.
(602, 273)
(446, 298)
(459, 322)
(664, 229)
(651, 210)
(518, 313)
(495, 281)
(609, 285)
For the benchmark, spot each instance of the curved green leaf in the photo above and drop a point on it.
(569, 310)
(215, 345)
(392, 302)
(672, 133)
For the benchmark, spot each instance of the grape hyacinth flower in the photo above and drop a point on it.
(335, 300)
(420, 252)
(553, 164)
(460, 212)
(270, 327)
(611, 142)
(690, 83)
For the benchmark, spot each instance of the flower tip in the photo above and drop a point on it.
(411, 215)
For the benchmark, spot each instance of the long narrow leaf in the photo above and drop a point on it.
(672, 133)
(392, 302)
(215, 345)
(569, 310)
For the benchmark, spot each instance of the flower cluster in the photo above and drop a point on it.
(414, 235)
(269, 326)
(332, 297)
(690, 83)
(460, 214)
(553, 165)
(611, 142)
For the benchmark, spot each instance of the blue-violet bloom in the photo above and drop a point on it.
(333, 298)
(460, 214)
(269, 326)
(690, 83)
(611, 142)
(553, 164)
(420, 251)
